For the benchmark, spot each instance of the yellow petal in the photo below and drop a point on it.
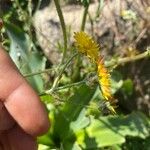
(86, 45)
(104, 79)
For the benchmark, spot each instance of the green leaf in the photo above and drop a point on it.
(111, 130)
(78, 101)
(45, 140)
(72, 113)
(43, 147)
(27, 60)
(70, 146)
(81, 122)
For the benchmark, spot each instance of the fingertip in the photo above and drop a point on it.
(26, 108)
(37, 126)
(41, 127)
(42, 124)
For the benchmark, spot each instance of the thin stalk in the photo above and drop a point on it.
(63, 87)
(56, 81)
(85, 13)
(120, 61)
(38, 5)
(39, 72)
(30, 8)
(68, 86)
(99, 8)
(76, 73)
(63, 26)
(29, 23)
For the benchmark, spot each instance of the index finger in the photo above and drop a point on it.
(20, 99)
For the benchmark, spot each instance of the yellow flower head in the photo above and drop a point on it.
(104, 79)
(86, 45)
(89, 47)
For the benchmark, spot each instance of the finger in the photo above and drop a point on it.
(20, 99)
(17, 139)
(6, 121)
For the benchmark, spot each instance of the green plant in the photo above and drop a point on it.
(77, 109)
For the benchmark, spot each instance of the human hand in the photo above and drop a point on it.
(22, 115)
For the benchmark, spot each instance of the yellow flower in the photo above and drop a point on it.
(104, 79)
(86, 45)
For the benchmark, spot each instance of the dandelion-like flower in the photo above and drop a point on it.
(104, 79)
(89, 47)
(86, 45)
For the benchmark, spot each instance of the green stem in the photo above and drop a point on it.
(84, 17)
(39, 72)
(63, 26)
(30, 8)
(38, 5)
(68, 86)
(120, 61)
(76, 73)
(99, 8)
(63, 87)
(56, 81)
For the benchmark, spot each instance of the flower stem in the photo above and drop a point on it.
(63, 26)
(84, 17)
(76, 73)
(70, 85)
(38, 5)
(63, 87)
(39, 72)
(119, 61)
(56, 81)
